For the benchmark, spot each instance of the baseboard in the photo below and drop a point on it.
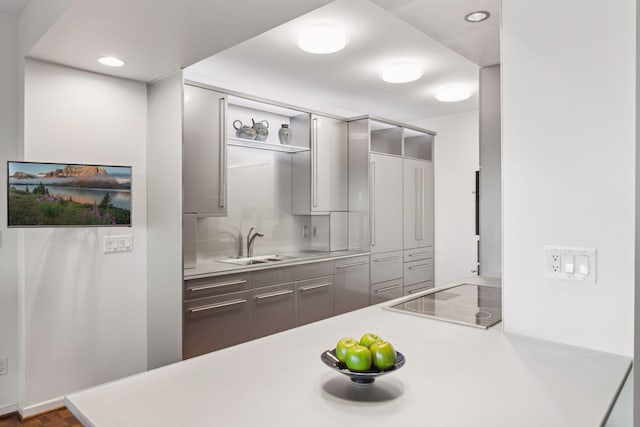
(4, 410)
(40, 408)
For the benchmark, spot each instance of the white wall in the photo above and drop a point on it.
(164, 216)
(8, 238)
(455, 164)
(568, 160)
(84, 311)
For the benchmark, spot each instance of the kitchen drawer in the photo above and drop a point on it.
(418, 287)
(271, 276)
(309, 271)
(386, 266)
(418, 271)
(418, 254)
(351, 277)
(385, 291)
(218, 285)
(314, 299)
(216, 322)
(273, 309)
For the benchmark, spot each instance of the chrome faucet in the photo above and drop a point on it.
(250, 241)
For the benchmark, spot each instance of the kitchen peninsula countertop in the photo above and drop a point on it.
(455, 376)
(217, 268)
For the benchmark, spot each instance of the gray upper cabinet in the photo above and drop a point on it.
(320, 176)
(418, 203)
(386, 203)
(204, 171)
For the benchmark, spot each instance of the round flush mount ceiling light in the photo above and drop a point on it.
(322, 39)
(111, 61)
(453, 93)
(477, 16)
(401, 72)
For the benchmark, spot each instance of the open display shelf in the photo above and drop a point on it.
(248, 143)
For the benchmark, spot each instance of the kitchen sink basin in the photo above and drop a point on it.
(256, 260)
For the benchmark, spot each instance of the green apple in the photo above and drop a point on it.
(358, 358)
(368, 339)
(383, 355)
(343, 345)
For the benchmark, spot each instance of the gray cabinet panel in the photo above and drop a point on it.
(418, 254)
(216, 322)
(351, 277)
(273, 309)
(204, 152)
(418, 203)
(386, 291)
(307, 271)
(386, 266)
(217, 285)
(315, 299)
(386, 203)
(418, 271)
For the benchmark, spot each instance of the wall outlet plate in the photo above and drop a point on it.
(570, 263)
(122, 243)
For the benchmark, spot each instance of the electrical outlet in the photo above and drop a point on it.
(4, 367)
(563, 262)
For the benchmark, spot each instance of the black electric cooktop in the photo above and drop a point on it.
(473, 305)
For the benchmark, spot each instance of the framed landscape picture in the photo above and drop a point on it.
(68, 195)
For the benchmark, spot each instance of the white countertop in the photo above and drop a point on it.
(454, 376)
(213, 267)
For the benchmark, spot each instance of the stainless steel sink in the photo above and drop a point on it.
(265, 259)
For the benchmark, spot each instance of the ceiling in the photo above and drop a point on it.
(155, 37)
(13, 7)
(254, 51)
(345, 83)
(444, 21)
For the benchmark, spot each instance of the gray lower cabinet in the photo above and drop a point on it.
(215, 322)
(315, 299)
(385, 291)
(273, 309)
(351, 284)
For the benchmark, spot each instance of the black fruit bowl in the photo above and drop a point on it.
(329, 358)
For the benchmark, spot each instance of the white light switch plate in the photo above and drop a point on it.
(122, 243)
(563, 262)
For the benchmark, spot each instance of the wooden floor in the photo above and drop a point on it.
(57, 418)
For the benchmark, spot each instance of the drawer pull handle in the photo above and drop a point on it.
(318, 286)
(419, 290)
(355, 264)
(274, 294)
(418, 254)
(388, 288)
(216, 285)
(219, 305)
(391, 258)
(419, 267)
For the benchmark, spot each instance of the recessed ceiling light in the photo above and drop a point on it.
(477, 16)
(453, 93)
(111, 61)
(401, 72)
(322, 38)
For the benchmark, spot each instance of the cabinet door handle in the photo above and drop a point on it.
(314, 161)
(318, 286)
(274, 294)
(372, 210)
(419, 267)
(218, 305)
(418, 254)
(216, 285)
(355, 264)
(388, 288)
(421, 203)
(387, 259)
(222, 173)
(417, 203)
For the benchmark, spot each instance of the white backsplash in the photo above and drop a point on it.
(259, 195)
